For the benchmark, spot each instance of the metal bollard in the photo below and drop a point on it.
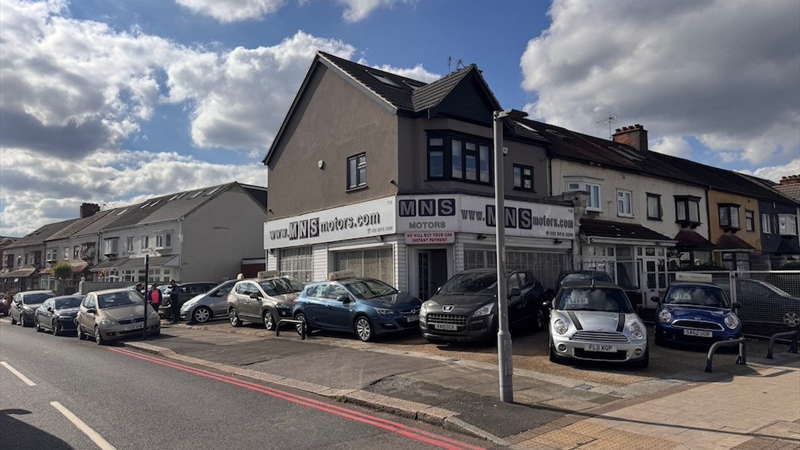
(792, 347)
(303, 332)
(741, 359)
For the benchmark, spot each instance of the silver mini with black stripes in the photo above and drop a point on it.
(596, 322)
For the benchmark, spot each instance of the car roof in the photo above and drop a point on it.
(69, 296)
(111, 291)
(589, 284)
(692, 283)
(42, 291)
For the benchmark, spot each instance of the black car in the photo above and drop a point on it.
(57, 314)
(465, 308)
(583, 275)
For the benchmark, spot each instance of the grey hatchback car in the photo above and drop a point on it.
(25, 304)
(266, 300)
(208, 306)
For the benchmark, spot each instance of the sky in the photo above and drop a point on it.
(116, 101)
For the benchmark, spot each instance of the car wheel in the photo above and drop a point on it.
(234, 318)
(36, 326)
(791, 319)
(81, 334)
(645, 361)
(22, 321)
(364, 329)
(302, 318)
(55, 328)
(269, 321)
(201, 315)
(98, 337)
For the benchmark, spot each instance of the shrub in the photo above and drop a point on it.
(62, 271)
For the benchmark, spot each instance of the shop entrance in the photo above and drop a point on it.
(431, 271)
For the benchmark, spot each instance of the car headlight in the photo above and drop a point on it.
(2, 301)
(637, 331)
(383, 312)
(284, 305)
(560, 326)
(665, 316)
(484, 310)
(107, 322)
(731, 321)
(154, 315)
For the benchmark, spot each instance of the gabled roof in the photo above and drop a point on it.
(42, 233)
(77, 226)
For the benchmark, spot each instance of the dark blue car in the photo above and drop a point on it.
(696, 313)
(364, 306)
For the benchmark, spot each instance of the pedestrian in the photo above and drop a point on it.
(174, 304)
(155, 297)
(140, 288)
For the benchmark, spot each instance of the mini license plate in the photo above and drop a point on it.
(135, 326)
(412, 318)
(698, 333)
(599, 348)
(445, 326)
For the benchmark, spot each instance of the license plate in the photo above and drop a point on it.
(698, 333)
(599, 348)
(135, 326)
(412, 318)
(445, 326)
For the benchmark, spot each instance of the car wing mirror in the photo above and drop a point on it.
(548, 305)
(656, 299)
(737, 305)
(255, 295)
(343, 298)
(514, 292)
(640, 307)
(50, 308)
(91, 311)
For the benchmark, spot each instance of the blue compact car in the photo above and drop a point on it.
(364, 306)
(696, 313)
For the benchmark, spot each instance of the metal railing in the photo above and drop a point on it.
(302, 330)
(774, 338)
(741, 359)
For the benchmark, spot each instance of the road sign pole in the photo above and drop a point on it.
(146, 300)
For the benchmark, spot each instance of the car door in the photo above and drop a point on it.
(337, 313)
(314, 304)
(219, 299)
(516, 304)
(16, 307)
(86, 318)
(253, 306)
(45, 313)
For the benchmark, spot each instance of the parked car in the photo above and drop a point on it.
(114, 314)
(465, 308)
(5, 304)
(185, 292)
(594, 321)
(57, 314)
(212, 305)
(364, 306)
(583, 275)
(696, 313)
(25, 305)
(763, 303)
(264, 300)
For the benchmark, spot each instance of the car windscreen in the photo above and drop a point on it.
(368, 289)
(35, 299)
(70, 302)
(594, 299)
(598, 276)
(708, 296)
(117, 299)
(471, 283)
(281, 286)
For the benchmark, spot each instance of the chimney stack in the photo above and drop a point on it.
(634, 136)
(88, 209)
(791, 179)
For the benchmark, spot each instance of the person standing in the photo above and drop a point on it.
(155, 297)
(174, 303)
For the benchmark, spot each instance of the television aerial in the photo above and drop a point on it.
(610, 118)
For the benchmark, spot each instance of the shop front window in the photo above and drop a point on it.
(372, 263)
(297, 263)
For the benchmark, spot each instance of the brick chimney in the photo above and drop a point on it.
(791, 179)
(88, 209)
(635, 136)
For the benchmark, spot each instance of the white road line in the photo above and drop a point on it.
(19, 375)
(81, 425)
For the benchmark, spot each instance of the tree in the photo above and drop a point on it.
(62, 271)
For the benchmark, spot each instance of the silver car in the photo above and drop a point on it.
(594, 321)
(115, 314)
(208, 306)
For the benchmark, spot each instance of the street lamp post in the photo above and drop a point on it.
(505, 367)
(146, 300)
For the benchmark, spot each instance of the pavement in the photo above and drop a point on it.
(671, 405)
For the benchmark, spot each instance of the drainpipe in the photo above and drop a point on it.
(180, 243)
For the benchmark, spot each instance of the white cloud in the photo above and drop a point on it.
(672, 145)
(719, 70)
(227, 11)
(239, 98)
(775, 173)
(415, 73)
(357, 10)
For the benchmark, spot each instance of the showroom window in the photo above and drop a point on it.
(297, 263)
(543, 265)
(373, 263)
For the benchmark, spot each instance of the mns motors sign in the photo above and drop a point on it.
(471, 214)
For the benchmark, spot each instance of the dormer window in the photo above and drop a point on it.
(729, 217)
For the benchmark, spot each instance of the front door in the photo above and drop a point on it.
(653, 279)
(431, 271)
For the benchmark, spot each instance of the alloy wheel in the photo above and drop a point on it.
(201, 315)
(363, 329)
(269, 322)
(55, 328)
(299, 326)
(98, 338)
(791, 319)
(234, 318)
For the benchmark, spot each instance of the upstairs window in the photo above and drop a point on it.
(787, 225)
(145, 242)
(111, 246)
(687, 210)
(76, 252)
(129, 245)
(164, 240)
(459, 158)
(653, 207)
(766, 223)
(357, 171)
(729, 217)
(593, 200)
(523, 177)
(749, 221)
(624, 203)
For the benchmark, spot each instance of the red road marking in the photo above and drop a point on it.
(404, 430)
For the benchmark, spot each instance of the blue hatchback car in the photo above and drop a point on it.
(365, 306)
(696, 313)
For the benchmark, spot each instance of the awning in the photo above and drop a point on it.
(21, 273)
(110, 264)
(692, 240)
(728, 242)
(606, 231)
(155, 261)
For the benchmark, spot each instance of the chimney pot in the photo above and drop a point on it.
(634, 136)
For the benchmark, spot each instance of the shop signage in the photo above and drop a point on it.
(430, 237)
(472, 214)
(372, 218)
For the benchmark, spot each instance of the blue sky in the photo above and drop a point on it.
(119, 101)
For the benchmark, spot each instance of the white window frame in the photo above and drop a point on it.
(145, 242)
(111, 246)
(766, 223)
(787, 225)
(163, 240)
(129, 244)
(622, 196)
(594, 190)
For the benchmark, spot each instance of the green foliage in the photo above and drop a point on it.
(791, 266)
(62, 271)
